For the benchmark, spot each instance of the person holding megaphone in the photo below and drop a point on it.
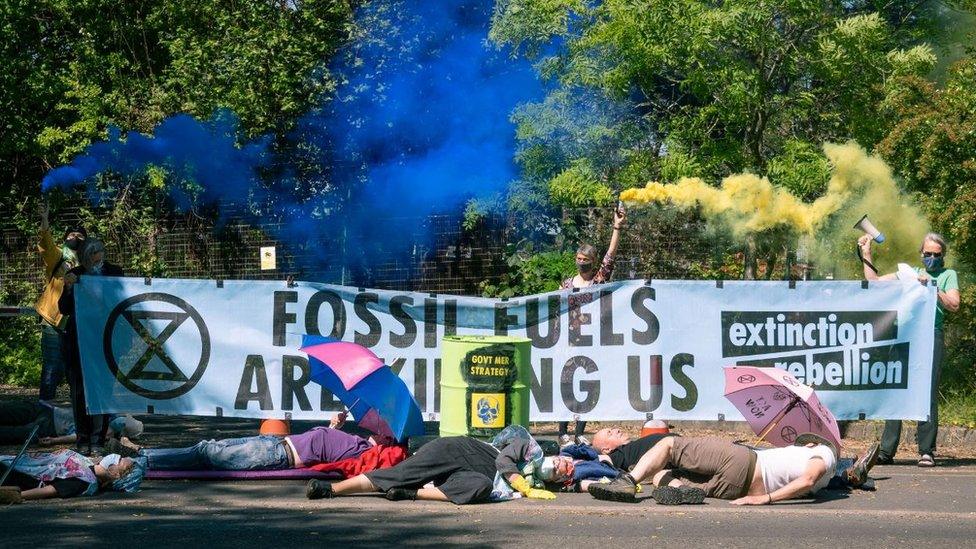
(933, 251)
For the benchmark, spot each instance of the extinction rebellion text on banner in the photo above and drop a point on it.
(617, 351)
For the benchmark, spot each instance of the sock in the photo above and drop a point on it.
(666, 479)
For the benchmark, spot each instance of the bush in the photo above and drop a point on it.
(20, 351)
(532, 274)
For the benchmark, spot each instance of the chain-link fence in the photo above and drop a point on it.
(435, 253)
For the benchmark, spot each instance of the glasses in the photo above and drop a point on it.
(931, 254)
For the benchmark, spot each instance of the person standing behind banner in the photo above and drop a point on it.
(92, 264)
(587, 275)
(58, 260)
(933, 253)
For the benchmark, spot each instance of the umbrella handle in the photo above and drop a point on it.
(776, 420)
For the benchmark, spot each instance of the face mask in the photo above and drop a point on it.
(97, 268)
(933, 263)
(584, 266)
(72, 244)
(110, 460)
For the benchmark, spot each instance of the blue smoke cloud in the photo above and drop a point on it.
(419, 124)
(205, 153)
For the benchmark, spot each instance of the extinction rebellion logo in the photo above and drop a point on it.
(137, 350)
(829, 350)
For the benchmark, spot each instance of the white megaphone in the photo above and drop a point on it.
(865, 225)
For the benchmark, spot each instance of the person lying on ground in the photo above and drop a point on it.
(623, 451)
(56, 423)
(461, 469)
(618, 448)
(575, 468)
(257, 453)
(67, 473)
(688, 469)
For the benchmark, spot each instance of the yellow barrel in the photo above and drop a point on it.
(484, 384)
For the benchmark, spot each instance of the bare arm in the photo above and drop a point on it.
(950, 300)
(44, 492)
(865, 244)
(618, 219)
(800, 486)
(50, 441)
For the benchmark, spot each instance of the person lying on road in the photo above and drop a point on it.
(689, 469)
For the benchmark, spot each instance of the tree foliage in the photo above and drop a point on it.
(729, 87)
(933, 147)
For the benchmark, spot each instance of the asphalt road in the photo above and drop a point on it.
(911, 507)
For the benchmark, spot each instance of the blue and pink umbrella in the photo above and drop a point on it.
(376, 397)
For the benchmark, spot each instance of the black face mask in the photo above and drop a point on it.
(72, 244)
(584, 266)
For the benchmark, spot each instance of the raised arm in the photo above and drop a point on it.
(864, 243)
(619, 216)
(48, 249)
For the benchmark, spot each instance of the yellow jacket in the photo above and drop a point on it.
(54, 271)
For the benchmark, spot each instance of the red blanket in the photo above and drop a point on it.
(377, 457)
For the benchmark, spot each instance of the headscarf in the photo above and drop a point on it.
(130, 482)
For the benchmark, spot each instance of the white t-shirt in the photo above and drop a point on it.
(780, 466)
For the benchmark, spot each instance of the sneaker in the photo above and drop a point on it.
(678, 495)
(564, 441)
(580, 439)
(317, 489)
(926, 461)
(858, 473)
(623, 488)
(400, 494)
(884, 460)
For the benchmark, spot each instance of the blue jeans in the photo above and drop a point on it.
(261, 453)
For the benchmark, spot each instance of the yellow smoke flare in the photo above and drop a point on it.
(750, 205)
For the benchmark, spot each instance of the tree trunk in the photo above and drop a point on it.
(750, 259)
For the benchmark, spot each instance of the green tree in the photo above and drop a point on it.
(659, 89)
(933, 148)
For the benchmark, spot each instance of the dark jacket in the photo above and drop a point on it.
(66, 303)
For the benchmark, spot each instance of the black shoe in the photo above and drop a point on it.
(884, 460)
(84, 447)
(400, 494)
(317, 489)
(678, 495)
(623, 488)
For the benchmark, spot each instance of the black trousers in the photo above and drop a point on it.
(461, 467)
(927, 431)
(18, 479)
(84, 423)
(18, 418)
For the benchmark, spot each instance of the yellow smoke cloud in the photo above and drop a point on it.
(750, 205)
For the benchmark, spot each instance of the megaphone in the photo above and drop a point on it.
(866, 226)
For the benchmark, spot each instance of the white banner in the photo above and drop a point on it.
(612, 352)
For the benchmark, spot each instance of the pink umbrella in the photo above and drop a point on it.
(357, 361)
(777, 406)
